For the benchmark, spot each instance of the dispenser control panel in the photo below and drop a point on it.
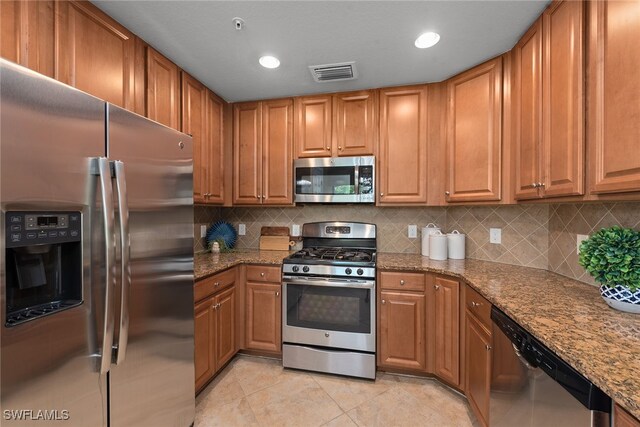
(33, 228)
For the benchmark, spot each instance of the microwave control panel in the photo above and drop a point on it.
(366, 180)
(34, 228)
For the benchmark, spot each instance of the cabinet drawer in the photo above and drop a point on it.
(215, 283)
(263, 273)
(479, 306)
(402, 281)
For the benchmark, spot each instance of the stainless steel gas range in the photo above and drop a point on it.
(328, 305)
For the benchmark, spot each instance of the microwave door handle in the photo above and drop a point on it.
(104, 173)
(125, 267)
(356, 177)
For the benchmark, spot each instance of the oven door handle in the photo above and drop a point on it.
(326, 283)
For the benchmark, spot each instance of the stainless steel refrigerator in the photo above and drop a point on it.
(96, 272)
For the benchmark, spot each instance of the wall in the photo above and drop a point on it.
(524, 228)
(566, 221)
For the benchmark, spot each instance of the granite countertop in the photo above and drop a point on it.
(568, 316)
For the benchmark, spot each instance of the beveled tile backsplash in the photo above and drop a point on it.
(535, 235)
(566, 221)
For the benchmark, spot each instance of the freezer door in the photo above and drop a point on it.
(153, 385)
(49, 135)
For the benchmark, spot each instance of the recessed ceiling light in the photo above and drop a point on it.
(427, 39)
(268, 61)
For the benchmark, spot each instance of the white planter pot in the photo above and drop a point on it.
(621, 298)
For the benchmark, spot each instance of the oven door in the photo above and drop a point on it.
(329, 313)
(329, 180)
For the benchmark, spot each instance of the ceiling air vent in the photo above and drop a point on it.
(333, 72)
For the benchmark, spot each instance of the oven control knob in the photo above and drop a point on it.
(305, 268)
(347, 271)
(295, 268)
(360, 272)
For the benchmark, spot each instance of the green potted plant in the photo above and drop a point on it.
(612, 257)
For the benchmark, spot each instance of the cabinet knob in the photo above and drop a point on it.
(487, 346)
(534, 185)
(261, 274)
(475, 304)
(277, 293)
(328, 148)
(381, 194)
(401, 282)
(541, 185)
(383, 301)
(436, 287)
(326, 334)
(264, 197)
(216, 284)
(258, 197)
(446, 193)
(339, 148)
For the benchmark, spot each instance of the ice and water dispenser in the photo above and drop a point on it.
(43, 259)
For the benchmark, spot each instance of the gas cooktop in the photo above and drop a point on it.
(350, 255)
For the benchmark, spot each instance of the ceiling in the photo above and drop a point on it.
(377, 35)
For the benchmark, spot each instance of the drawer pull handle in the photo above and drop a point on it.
(401, 282)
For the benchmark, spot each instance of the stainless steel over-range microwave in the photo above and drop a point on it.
(335, 180)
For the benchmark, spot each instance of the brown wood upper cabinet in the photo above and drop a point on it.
(94, 53)
(194, 118)
(27, 34)
(614, 94)
(402, 162)
(447, 330)
(549, 104)
(163, 89)
(342, 124)
(474, 135)
(263, 161)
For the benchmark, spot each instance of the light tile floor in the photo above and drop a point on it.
(254, 391)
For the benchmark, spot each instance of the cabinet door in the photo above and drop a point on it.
(214, 162)
(402, 330)
(313, 126)
(355, 123)
(563, 99)
(614, 93)
(204, 341)
(27, 34)
(478, 369)
(622, 418)
(474, 137)
(94, 53)
(264, 322)
(225, 327)
(194, 107)
(447, 329)
(163, 90)
(527, 99)
(277, 149)
(247, 153)
(402, 171)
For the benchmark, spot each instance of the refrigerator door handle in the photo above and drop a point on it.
(125, 268)
(104, 173)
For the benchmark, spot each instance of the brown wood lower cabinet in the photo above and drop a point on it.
(622, 418)
(447, 330)
(263, 317)
(402, 331)
(478, 367)
(214, 331)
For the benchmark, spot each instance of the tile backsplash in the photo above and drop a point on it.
(566, 221)
(534, 235)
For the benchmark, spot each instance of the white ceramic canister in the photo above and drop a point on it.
(455, 245)
(426, 232)
(438, 246)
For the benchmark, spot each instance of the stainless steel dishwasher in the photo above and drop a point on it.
(532, 386)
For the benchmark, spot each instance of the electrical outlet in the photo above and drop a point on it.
(412, 231)
(242, 229)
(295, 229)
(203, 231)
(579, 239)
(495, 236)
